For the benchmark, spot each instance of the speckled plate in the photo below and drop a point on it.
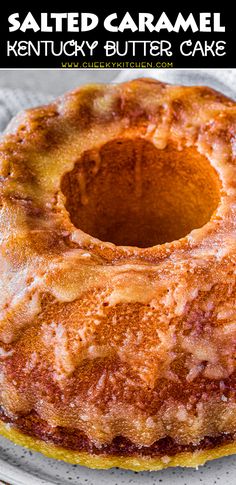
(22, 467)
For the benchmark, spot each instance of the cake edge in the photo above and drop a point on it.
(184, 459)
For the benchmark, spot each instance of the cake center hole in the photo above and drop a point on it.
(131, 193)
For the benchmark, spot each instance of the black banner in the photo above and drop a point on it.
(117, 38)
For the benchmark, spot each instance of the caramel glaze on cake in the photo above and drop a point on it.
(118, 284)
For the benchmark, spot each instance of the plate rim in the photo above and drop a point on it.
(9, 472)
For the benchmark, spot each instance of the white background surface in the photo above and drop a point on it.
(55, 82)
(52, 82)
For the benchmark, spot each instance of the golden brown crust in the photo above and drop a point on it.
(115, 339)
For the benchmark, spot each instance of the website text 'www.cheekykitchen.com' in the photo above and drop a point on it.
(117, 65)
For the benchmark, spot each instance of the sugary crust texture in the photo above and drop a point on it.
(115, 340)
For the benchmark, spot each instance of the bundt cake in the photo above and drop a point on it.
(118, 281)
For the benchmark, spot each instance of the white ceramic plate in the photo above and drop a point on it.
(22, 467)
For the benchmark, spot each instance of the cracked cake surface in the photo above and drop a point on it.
(117, 292)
